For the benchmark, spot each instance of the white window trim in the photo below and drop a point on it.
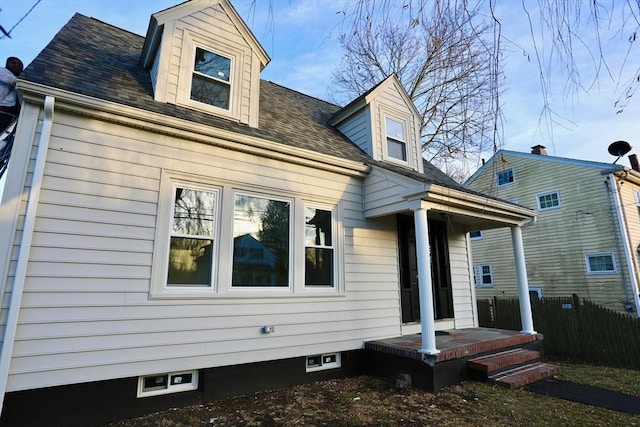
(546, 193)
(507, 183)
(324, 366)
(476, 237)
(636, 196)
(292, 246)
(176, 388)
(190, 42)
(168, 183)
(223, 243)
(600, 273)
(334, 235)
(478, 272)
(408, 140)
(537, 290)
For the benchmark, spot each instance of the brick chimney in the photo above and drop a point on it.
(539, 150)
(633, 160)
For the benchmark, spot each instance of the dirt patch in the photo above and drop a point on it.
(369, 401)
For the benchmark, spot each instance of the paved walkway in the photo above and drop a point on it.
(589, 395)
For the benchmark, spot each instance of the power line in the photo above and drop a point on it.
(7, 33)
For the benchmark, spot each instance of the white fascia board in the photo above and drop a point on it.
(461, 202)
(171, 126)
(189, 7)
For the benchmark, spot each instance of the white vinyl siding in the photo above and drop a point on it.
(358, 130)
(391, 104)
(86, 313)
(179, 42)
(464, 303)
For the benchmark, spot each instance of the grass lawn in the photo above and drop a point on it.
(367, 401)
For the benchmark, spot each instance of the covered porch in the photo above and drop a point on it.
(457, 211)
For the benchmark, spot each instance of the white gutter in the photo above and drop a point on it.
(625, 242)
(192, 131)
(25, 246)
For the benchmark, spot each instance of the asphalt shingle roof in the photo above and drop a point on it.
(95, 59)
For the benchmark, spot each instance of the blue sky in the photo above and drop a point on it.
(301, 39)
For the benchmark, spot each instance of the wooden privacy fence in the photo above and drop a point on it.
(573, 329)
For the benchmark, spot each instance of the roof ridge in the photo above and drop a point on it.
(301, 93)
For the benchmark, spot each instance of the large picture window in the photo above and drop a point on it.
(261, 236)
(215, 240)
(319, 249)
(211, 80)
(192, 237)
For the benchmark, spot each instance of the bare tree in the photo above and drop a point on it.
(444, 55)
(449, 56)
(453, 37)
(560, 30)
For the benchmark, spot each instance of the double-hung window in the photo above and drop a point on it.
(548, 201)
(505, 177)
(214, 240)
(600, 263)
(475, 234)
(192, 237)
(211, 79)
(319, 250)
(483, 276)
(396, 139)
(261, 242)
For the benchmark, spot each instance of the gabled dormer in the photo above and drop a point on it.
(385, 124)
(201, 55)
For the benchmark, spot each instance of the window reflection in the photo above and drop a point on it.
(261, 242)
(210, 82)
(190, 252)
(319, 247)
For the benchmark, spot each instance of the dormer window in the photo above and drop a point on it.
(396, 139)
(211, 81)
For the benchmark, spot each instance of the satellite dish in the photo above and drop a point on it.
(619, 148)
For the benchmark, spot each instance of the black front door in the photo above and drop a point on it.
(440, 273)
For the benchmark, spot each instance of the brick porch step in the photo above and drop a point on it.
(523, 375)
(498, 361)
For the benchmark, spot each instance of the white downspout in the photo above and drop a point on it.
(25, 246)
(625, 242)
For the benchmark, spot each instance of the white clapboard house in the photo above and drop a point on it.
(175, 229)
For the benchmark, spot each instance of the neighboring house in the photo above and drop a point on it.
(176, 229)
(587, 236)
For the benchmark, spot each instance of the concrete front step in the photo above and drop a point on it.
(523, 375)
(496, 362)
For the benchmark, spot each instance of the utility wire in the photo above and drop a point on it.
(7, 33)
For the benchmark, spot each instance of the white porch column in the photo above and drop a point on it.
(523, 285)
(425, 287)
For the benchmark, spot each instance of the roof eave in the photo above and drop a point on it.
(184, 129)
